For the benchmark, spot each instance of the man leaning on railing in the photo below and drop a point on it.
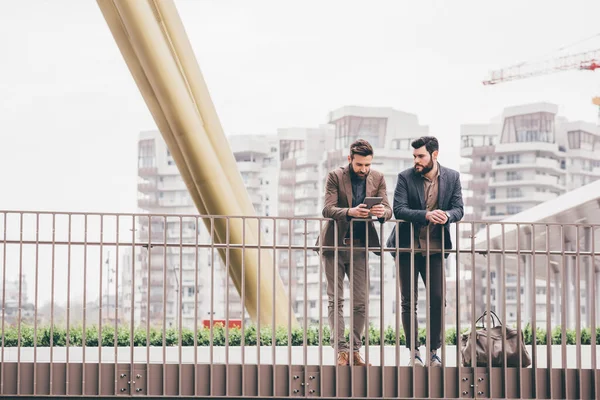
(430, 197)
(345, 193)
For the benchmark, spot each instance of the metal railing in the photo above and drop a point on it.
(89, 308)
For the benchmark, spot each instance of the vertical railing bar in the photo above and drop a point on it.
(132, 327)
(458, 294)
(578, 306)
(367, 324)
(164, 320)
(243, 322)
(428, 306)
(180, 308)
(473, 315)
(100, 306)
(413, 317)
(549, 316)
(533, 297)
(116, 337)
(336, 327)
(149, 286)
(37, 258)
(227, 260)
(68, 336)
(350, 341)
(289, 333)
(381, 310)
(443, 311)
(212, 279)
(489, 306)
(320, 305)
(2, 370)
(274, 327)
(564, 320)
(593, 306)
(84, 333)
(258, 315)
(212, 302)
(519, 315)
(305, 323)
(20, 304)
(503, 290)
(398, 310)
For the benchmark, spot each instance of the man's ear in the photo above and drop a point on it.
(349, 159)
(435, 154)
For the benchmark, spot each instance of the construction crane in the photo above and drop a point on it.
(585, 61)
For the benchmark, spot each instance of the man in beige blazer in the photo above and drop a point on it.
(345, 192)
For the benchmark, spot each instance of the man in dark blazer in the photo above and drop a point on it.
(430, 197)
(345, 191)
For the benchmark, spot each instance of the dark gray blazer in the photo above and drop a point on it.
(409, 204)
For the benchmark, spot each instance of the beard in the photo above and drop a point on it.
(425, 170)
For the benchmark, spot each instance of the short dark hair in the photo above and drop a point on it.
(361, 147)
(430, 142)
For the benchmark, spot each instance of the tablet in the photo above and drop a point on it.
(372, 201)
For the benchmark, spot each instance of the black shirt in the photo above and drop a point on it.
(359, 192)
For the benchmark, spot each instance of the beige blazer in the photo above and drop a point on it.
(338, 200)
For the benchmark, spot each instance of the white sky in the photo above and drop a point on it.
(70, 112)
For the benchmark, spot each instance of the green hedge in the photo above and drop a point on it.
(235, 337)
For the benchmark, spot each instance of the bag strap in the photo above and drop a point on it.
(493, 316)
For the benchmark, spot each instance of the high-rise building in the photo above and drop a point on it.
(528, 156)
(169, 272)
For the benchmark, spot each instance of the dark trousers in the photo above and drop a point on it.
(436, 297)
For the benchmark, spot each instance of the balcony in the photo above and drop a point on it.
(147, 187)
(147, 203)
(302, 194)
(249, 166)
(528, 147)
(307, 177)
(532, 197)
(287, 180)
(147, 171)
(540, 180)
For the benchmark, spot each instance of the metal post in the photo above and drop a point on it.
(500, 295)
(529, 297)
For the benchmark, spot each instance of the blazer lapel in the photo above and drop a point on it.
(442, 189)
(371, 192)
(418, 182)
(347, 186)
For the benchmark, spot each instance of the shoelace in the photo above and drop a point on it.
(435, 357)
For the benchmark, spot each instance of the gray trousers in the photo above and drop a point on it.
(359, 295)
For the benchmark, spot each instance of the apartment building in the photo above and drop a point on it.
(526, 157)
(166, 277)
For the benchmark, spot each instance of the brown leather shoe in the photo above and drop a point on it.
(343, 358)
(358, 360)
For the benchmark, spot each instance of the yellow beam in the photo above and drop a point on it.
(150, 35)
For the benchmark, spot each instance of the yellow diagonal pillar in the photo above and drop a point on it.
(150, 44)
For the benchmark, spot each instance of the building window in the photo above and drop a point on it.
(514, 193)
(514, 176)
(512, 209)
(492, 193)
(513, 159)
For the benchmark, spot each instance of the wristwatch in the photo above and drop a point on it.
(447, 215)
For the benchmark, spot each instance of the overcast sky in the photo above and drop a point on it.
(70, 112)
